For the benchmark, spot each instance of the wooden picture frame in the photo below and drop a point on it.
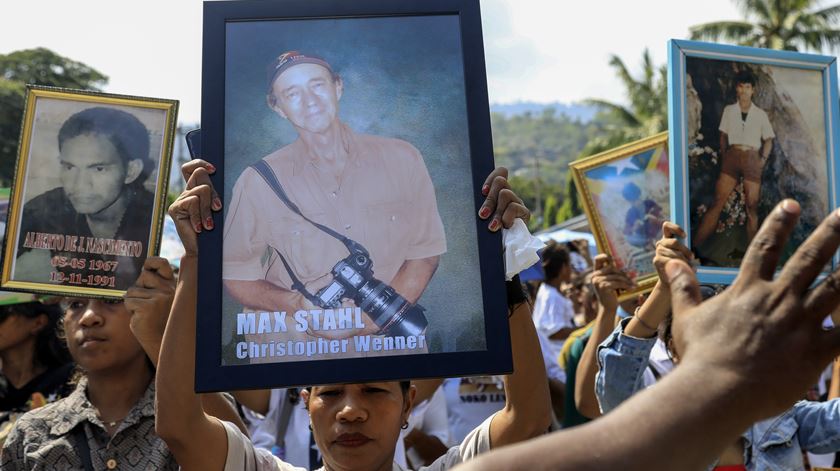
(626, 197)
(87, 201)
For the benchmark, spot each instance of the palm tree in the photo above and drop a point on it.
(648, 110)
(646, 115)
(777, 24)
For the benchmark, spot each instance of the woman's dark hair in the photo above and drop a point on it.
(554, 257)
(404, 386)
(122, 129)
(50, 349)
(664, 332)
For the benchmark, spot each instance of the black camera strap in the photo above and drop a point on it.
(271, 179)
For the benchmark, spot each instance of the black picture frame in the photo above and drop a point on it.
(212, 374)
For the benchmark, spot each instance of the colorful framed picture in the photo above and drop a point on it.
(87, 203)
(625, 195)
(348, 248)
(749, 127)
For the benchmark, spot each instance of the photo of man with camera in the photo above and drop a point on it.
(338, 230)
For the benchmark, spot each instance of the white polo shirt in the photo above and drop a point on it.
(752, 132)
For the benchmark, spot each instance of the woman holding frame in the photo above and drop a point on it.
(355, 425)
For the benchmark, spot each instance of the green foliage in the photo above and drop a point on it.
(171, 196)
(11, 113)
(537, 149)
(549, 211)
(571, 202)
(648, 110)
(777, 24)
(33, 66)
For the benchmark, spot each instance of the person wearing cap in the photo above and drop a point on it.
(746, 140)
(371, 189)
(104, 162)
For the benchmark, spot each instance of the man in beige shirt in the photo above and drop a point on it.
(373, 190)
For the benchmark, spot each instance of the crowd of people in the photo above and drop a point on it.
(90, 384)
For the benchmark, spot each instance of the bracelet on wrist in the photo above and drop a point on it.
(642, 321)
(645, 325)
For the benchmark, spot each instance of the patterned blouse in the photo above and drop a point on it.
(43, 439)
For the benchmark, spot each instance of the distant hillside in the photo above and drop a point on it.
(575, 111)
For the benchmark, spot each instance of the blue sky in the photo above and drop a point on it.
(536, 50)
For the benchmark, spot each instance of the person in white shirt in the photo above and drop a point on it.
(554, 314)
(356, 426)
(469, 401)
(427, 434)
(746, 140)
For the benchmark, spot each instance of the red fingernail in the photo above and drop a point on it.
(485, 189)
(217, 204)
(208, 223)
(198, 227)
(211, 168)
(494, 224)
(484, 212)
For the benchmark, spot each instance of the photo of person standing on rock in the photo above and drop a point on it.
(761, 138)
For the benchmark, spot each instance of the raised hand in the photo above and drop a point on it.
(764, 335)
(192, 211)
(670, 248)
(149, 302)
(607, 280)
(501, 202)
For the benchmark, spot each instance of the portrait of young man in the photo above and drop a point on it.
(746, 140)
(760, 137)
(334, 222)
(89, 194)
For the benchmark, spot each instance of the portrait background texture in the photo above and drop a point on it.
(403, 78)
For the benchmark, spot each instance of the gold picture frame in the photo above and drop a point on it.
(625, 193)
(88, 194)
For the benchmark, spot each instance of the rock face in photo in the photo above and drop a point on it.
(791, 171)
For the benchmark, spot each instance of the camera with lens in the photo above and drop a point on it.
(353, 279)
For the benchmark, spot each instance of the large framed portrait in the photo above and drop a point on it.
(749, 127)
(626, 198)
(351, 141)
(88, 196)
